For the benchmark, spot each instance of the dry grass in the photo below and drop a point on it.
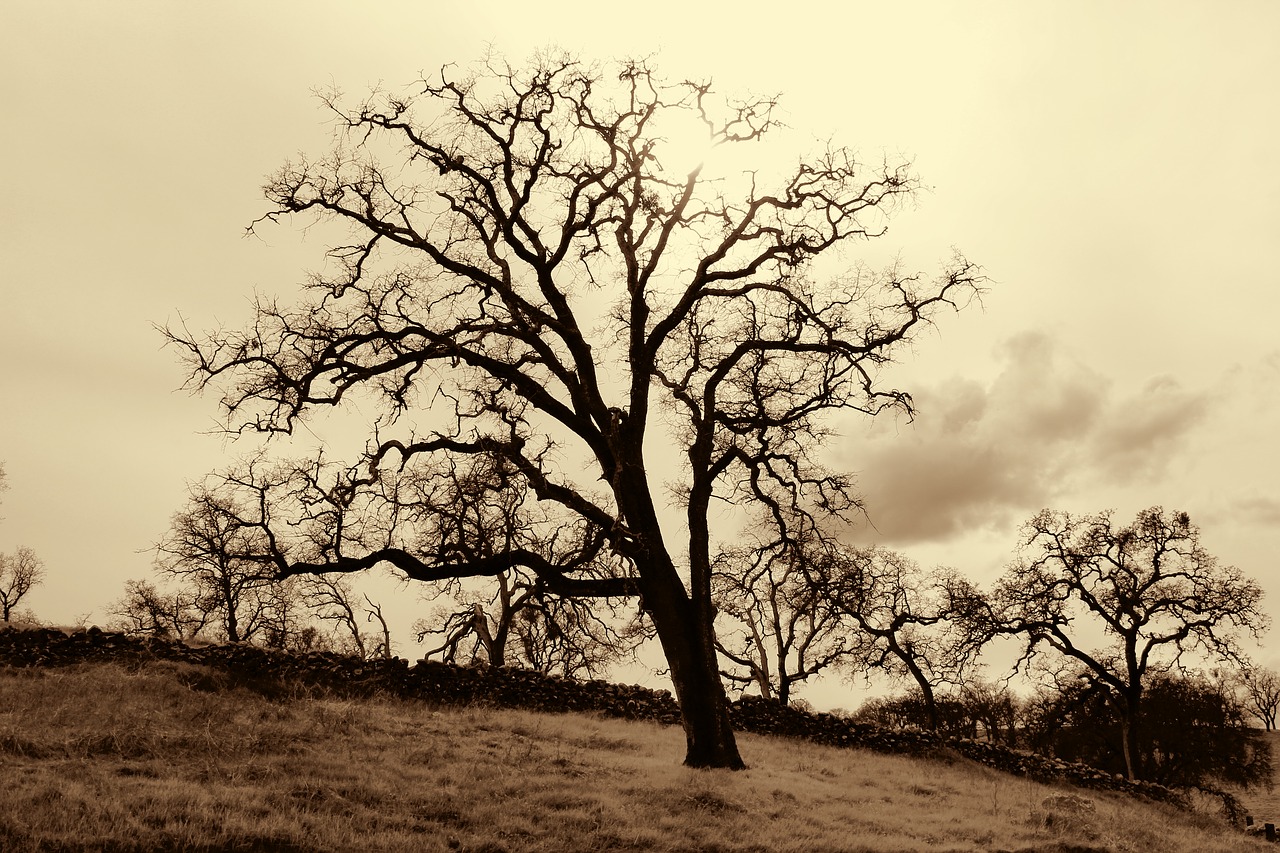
(170, 757)
(1264, 804)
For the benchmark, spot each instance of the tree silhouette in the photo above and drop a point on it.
(532, 280)
(146, 610)
(20, 572)
(1149, 592)
(776, 627)
(512, 620)
(915, 625)
(218, 561)
(332, 600)
(1194, 732)
(1261, 694)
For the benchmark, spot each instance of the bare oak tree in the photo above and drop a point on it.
(1148, 591)
(915, 624)
(1260, 693)
(148, 611)
(477, 511)
(777, 629)
(512, 620)
(19, 573)
(332, 600)
(218, 560)
(531, 277)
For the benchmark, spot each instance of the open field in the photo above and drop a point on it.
(1264, 804)
(167, 757)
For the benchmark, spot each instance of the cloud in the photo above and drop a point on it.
(1257, 510)
(988, 456)
(1141, 435)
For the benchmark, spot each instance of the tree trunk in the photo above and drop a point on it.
(764, 679)
(930, 703)
(684, 622)
(495, 648)
(1126, 745)
(1129, 722)
(926, 689)
(233, 626)
(688, 643)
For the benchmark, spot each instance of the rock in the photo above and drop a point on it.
(1068, 803)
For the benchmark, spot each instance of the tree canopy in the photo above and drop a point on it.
(777, 628)
(539, 287)
(1125, 602)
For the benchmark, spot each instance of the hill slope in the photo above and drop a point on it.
(168, 756)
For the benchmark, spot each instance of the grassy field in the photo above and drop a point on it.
(170, 757)
(1264, 804)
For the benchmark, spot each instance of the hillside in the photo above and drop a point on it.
(1263, 804)
(168, 755)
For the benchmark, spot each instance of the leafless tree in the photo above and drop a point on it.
(481, 509)
(513, 621)
(1260, 689)
(331, 599)
(566, 636)
(914, 624)
(374, 616)
(286, 623)
(992, 707)
(1148, 589)
(776, 629)
(146, 610)
(19, 573)
(218, 562)
(532, 277)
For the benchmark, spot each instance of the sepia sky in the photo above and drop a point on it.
(1113, 167)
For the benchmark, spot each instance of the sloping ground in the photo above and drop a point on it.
(166, 755)
(267, 671)
(1264, 805)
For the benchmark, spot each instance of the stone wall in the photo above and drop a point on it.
(275, 672)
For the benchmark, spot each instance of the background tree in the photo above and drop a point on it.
(947, 715)
(332, 600)
(218, 562)
(20, 572)
(565, 636)
(144, 609)
(286, 623)
(1148, 591)
(1193, 732)
(465, 632)
(537, 273)
(479, 510)
(912, 624)
(995, 711)
(977, 710)
(513, 622)
(1260, 689)
(776, 630)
